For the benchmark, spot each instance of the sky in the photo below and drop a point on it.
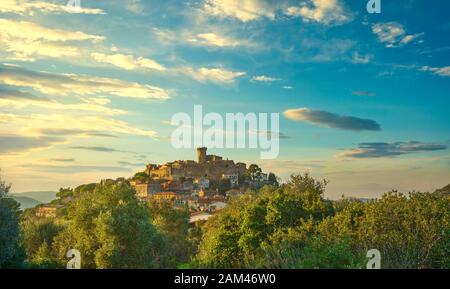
(363, 98)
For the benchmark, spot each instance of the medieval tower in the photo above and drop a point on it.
(201, 155)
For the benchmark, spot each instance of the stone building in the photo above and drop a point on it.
(207, 166)
(166, 197)
(47, 211)
(143, 190)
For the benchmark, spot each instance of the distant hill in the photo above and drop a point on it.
(445, 190)
(25, 202)
(42, 197)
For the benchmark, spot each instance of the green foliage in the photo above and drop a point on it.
(84, 189)
(410, 232)
(253, 172)
(278, 226)
(10, 251)
(43, 258)
(141, 177)
(37, 237)
(322, 255)
(293, 226)
(241, 234)
(64, 193)
(273, 180)
(4, 188)
(111, 229)
(224, 185)
(174, 223)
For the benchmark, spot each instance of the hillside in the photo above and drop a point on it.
(25, 202)
(445, 190)
(40, 196)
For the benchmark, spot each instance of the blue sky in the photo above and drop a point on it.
(363, 98)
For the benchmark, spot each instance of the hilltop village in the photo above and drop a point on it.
(204, 185)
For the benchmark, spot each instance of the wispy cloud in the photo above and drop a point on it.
(382, 149)
(331, 120)
(357, 58)
(16, 99)
(18, 144)
(321, 50)
(60, 160)
(128, 62)
(63, 84)
(321, 11)
(74, 169)
(66, 132)
(243, 10)
(264, 78)
(27, 40)
(213, 39)
(31, 7)
(441, 71)
(130, 164)
(64, 124)
(214, 75)
(102, 149)
(393, 34)
(135, 6)
(363, 93)
(96, 149)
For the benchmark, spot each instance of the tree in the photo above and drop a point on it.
(318, 254)
(10, 251)
(86, 188)
(37, 238)
(64, 193)
(43, 258)
(242, 234)
(141, 177)
(253, 172)
(4, 188)
(273, 180)
(409, 231)
(174, 222)
(111, 229)
(224, 185)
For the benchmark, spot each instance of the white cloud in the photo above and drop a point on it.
(393, 34)
(322, 11)
(65, 84)
(34, 31)
(361, 59)
(29, 7)
(128, 62)
(34, 125)
(441, 71)
(20, 100)
(264, 78)
(135, 6)
(214, 75)
(213, 39)
(244, 10)
(27, 40)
